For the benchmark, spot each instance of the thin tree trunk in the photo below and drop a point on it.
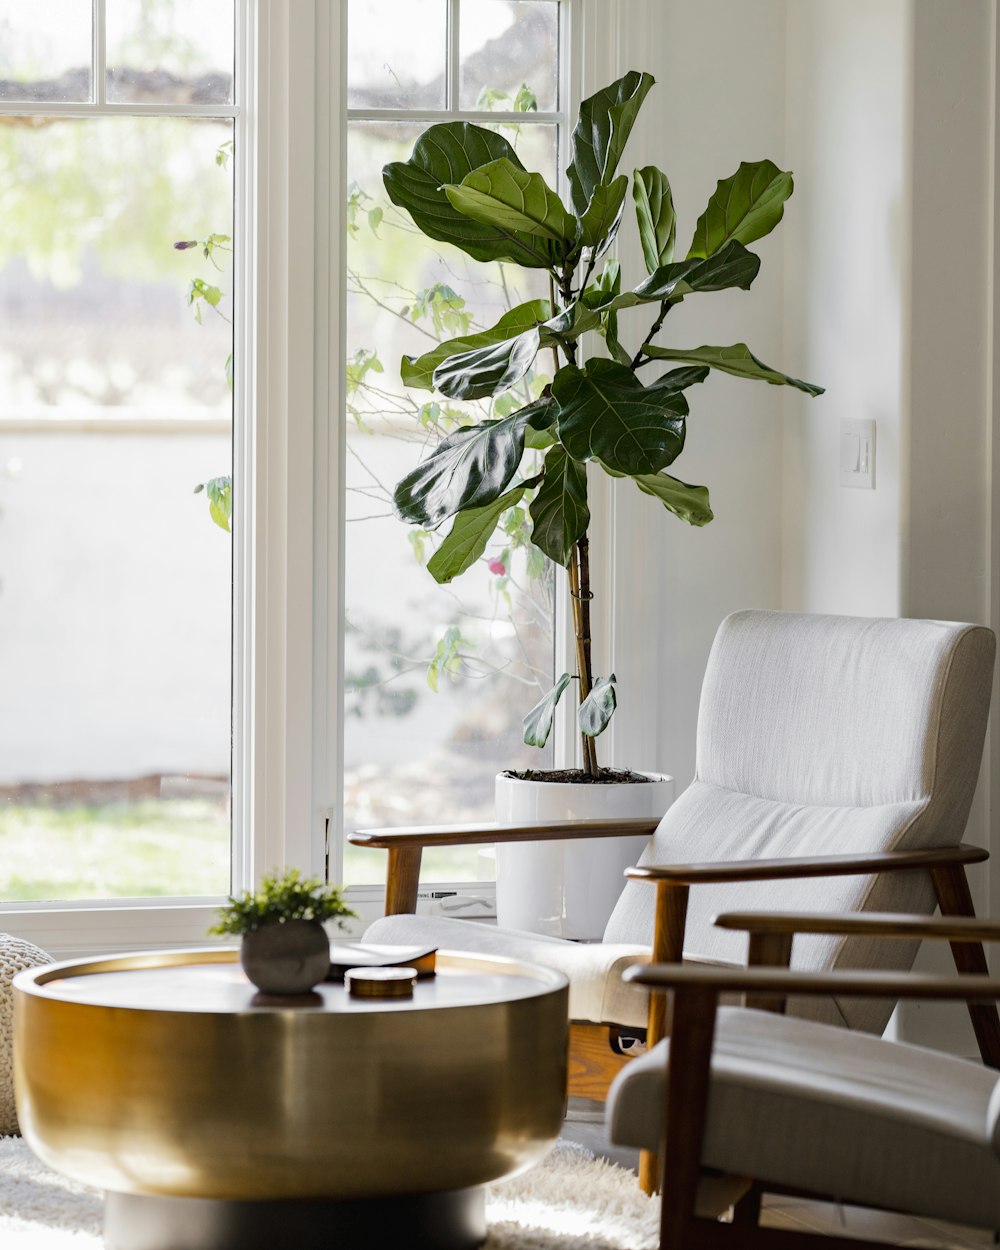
(580, 596)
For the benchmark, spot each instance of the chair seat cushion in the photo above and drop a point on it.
(597, 992)
(833, 1111)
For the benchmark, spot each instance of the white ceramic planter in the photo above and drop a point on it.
(569, 889)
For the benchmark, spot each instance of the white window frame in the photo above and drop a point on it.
(288, 451)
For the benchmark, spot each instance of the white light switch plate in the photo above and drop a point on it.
(857, 453)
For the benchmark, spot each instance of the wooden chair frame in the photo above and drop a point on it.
(696, 989)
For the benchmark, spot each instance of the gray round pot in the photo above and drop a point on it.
(286, 958)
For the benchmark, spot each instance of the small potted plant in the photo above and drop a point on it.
(284, 947)
(607, 408)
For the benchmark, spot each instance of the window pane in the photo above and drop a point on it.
(170, 52)
(114, 583)
(45, 50)
(396, 54)
(510, 54)
(413, 755)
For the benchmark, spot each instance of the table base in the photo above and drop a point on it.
(452, 1220)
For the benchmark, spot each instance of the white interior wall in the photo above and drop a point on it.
(714, 106)
(888, 298)
(843, 298)
(877, 285)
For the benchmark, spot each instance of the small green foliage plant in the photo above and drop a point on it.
(282, 897)
(465, 185)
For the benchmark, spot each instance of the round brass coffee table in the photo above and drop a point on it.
(217, 1118)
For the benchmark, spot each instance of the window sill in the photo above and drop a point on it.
(69, 930)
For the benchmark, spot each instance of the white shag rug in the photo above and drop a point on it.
(569, 1201)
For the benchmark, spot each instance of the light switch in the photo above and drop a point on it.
(857, 453)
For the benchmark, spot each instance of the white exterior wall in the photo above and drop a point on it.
(115, 589)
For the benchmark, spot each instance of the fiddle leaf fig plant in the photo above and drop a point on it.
(466, 186)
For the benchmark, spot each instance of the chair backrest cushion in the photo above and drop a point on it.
(824, 735)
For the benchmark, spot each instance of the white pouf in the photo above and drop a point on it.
(14, 955)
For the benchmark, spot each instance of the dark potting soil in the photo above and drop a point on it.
(577, 776)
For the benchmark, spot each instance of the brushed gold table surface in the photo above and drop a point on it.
(166, 1073)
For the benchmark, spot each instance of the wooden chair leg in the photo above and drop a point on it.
(694, 1013)
(746, 1213)
(955, 899)
(668, 948)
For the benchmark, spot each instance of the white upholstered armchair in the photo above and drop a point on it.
(836, 763)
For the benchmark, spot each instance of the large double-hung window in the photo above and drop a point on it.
(117, 151)
(219, 650)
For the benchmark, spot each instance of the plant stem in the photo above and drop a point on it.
(566, 295)
(552, 310)
(654, 329)
(580, 597)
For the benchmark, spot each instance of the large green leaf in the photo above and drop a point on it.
(490, 370)
(471, 531)
(569, 324)
(607, 413)
(446, 153)
(538, 723)
(690, 503)
(680, 379)
(731, 266)
(469, 468)
(737, 360)
(598, 707)
(744, 207)
(505, 195)
(654, 211)
(606, 120)
(418, 371)
(599, 223)
(559, 512)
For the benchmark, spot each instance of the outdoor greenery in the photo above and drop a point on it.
(153, 848)
(465, 185)
(281, 897)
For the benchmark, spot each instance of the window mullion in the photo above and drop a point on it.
(452, 99)
(99, 93)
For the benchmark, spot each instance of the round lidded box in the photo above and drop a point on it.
(380, 982)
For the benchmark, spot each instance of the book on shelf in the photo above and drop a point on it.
(344, 955)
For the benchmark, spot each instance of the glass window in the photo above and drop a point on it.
(510, 55)
(437, 678)
(45, 51)
(115, 585)
(396, 56)
(180, 52)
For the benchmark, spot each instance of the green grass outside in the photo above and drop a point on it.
(150, 848)
(153, 848)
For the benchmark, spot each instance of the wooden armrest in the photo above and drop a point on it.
(870, 924)
(808, 866)
(405, 845)
(782, 981)
(485, 832)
